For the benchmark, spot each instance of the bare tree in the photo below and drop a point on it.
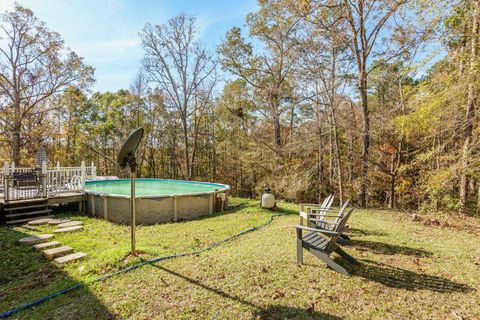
(267, 70)
(138, 110)
(182, 69)
(34, 65)
(366, 19)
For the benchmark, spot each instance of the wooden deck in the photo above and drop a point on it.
(52, 199)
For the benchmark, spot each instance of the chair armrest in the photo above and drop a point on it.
(316, 230)
(310, 204)
(324, 221)
(330, 210)
(325, 215)
(306, 214)
(315, 205)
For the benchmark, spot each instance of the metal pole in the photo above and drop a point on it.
(132, 207)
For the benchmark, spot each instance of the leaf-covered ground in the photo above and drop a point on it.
(409, 270)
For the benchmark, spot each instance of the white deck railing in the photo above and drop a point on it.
(54, 180)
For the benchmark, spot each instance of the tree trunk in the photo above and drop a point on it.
(391, 202)
(276, 128)
(478, 198)
(320, 161)
(16, 134)
(365, 139)
(471, 100)
(330, 159)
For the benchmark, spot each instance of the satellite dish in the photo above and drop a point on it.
(126, 156)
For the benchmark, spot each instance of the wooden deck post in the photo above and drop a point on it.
(6, 182)
(44, 178)
(59, 173)
(83, 170)
(94, 172)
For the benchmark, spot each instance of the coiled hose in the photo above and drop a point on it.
(136, 266)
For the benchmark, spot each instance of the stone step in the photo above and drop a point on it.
(46, 245)
(58, 221)
(28, 219)
(68, 229)
(29, 213)
(71, 257)
(39, 222)
(57, 252)
(70, 224)
(35, 239)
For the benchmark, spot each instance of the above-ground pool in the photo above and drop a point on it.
(157, 200)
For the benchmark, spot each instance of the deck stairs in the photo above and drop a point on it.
(23, 211)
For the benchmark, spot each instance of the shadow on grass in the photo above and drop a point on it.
(361, 232)
(27, 276)
(386, 248)
(270, 312)
(395, 277)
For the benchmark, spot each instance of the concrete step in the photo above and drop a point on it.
(57, 252)
(68, 229)
(28, 213)
(43, 205)
(35, 239)
(70, 224)
(46, 245)
(71, 257)
(28, 219)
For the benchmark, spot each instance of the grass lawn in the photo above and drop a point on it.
(409, 270)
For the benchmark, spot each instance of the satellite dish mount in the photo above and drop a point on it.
(126, 158)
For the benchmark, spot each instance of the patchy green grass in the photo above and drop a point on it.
(409, 270)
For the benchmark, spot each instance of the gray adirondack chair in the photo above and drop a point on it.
(317, 216)
(307, 208)
(322, 243)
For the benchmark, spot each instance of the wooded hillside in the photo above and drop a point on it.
(374, 100)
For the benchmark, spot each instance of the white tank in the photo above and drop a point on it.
(268, 201)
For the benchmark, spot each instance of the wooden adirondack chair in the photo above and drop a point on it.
(322, 243)
(306, 208)
(317, 217)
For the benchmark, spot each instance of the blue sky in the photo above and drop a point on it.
(105, 32)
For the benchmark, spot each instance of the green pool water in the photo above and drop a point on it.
(152, 187)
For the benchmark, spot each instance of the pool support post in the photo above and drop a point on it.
(132, 208)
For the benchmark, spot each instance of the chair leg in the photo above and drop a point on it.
(346, 256)
(343, 241)
(332, 264)
(299, 248)
(344, 236)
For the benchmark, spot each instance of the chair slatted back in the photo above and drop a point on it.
(342, 211)
(338, 228)
(327, 203)
(339, 216)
